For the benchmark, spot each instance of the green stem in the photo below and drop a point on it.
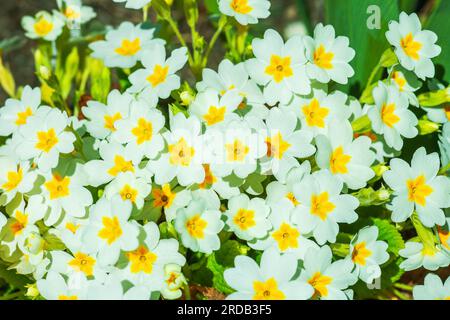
(403, 286)
(12, 296)
(222, 24)
(180, 38)
(187, 292)
(444, 169)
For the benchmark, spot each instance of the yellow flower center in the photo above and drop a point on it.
(111, 120)
(159, 75)
(286, 237)
(244, 219)
(142, 260)
(315, 114)
(71, 13)
(58, 187)
(64, 297)
(210, 179)
(129, 47)
(290, 196)
(214, 115)
(14, 178)
(279, 68)
(181, 153)
(411, 47)
(322, 58)
(163, 197)
(42, 27)
(267, 290)
(111, 230)
(236, 151)
(20, 223)
(276, 146)
(339, 161)
(320, 282)
(121, 165)
(444, 236)
(196, 227)
(83, 263)
(360, 253)
(399, 80)
(129, 193)
(241, 6)
(388, 116)
(72, 227)
(46, 140)
(418, 190)
(143, 131)
(22, 117)
(320, 206)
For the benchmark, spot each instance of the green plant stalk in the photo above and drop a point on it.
(221, 26)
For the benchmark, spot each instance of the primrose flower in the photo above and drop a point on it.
(223, 188)
(55, 287)
(245, 11)
(214, 110)
(399, 79)
(390, 116)
(141, 131)
(285, 235)
(174, 281)
(418, 188)
(328, 279)
(417, 255)
(279, 67)
(348, 159)
(322, 206)
(183, 156)
(273, 279)
(170, 199)
(285, 143)
(109, 230)
(130, 187)
(112, 289)
(78, 262)
(44, 137)
(199, 224)
(101, 118)
(134, 4)
(433, 288)
(248, 218)
(16, 113)
(74, 11)
(43, 26)
(15, 178)
(157, 79)
(329, 56)
(124, 47)
(414, 47)
(368, 254)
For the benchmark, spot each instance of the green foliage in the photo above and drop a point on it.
(388, 233)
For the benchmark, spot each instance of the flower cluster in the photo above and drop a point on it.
(262, 163)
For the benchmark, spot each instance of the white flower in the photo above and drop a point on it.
(101, 118)
(247, 218)
(146, 264)
(329, 56)
(368, 254)
(285, 236)
(157, 79)
(322, 206)
(77, 262)
(235, 77)
(109, 230)
(43, 26)
(213, 109)
(417, 255)
(279, 67)
(15, 177)
(328, 279)
(316, 111)
(414, 47)
(418, 188)
(285, 143)
(74, 11)
(16, 113)
(433, 288)
(141, 131)
(245, 11)
(44, 137)
(199, 225)
(124, 47)
(273, 279)
(54, 287)
(134, 4)
(112, 289)
(170, 199)
(130, 188)
(223, 188)
(183, 156)
(398, 78)
(390, 116)
(174, 280)
(2, 221)
(347, 159)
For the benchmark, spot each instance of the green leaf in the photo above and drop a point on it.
(387, 232)
(350, 18)
(100, 80)
(217, 270)
(12, 278)
(52, 242)
(11, 44)
(229, 250)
